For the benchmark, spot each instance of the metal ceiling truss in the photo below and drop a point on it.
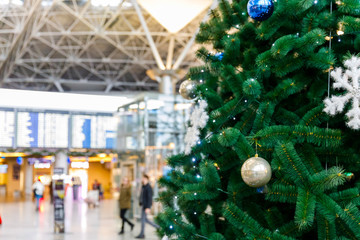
(73, 46)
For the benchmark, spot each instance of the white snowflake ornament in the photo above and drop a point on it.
(336, 104)
(198, 120)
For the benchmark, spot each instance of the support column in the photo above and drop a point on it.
(29, 179)
(166, 78)
(166, 85)
(61, 161)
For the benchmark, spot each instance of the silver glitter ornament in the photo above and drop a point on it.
(256, 172)
(188, 89)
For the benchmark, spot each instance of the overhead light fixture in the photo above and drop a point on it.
(14, 2)
(174, 15)
(104, 3)
(12, 154)
(171, 145)
(60, 101)
(155, 104)
(17, 2)
(126, 4)
(182, 106)
(46, 3)
(133, 106)
(151, 104)
(4, 2)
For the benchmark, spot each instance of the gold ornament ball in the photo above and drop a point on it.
(188, 89)
(256, 172)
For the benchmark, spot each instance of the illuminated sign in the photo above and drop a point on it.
(19, 160)
(79, 165)
(3, 168)
(39, 165)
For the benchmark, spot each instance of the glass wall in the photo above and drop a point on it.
(152, 126)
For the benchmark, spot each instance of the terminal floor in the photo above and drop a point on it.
(20, 221)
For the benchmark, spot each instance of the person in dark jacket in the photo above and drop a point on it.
(125, 203)
(145, 202)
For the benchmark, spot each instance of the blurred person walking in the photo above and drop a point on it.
(51, 191)
(146, 202)
(76, 182)
(38, 188)
(96, 187)
(125, 203)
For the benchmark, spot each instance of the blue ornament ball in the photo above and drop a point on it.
(219, 55)
(263, 189)
(260, 10)
(260, 190)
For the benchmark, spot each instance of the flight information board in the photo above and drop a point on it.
(7, 128)
(42, 129)
(93, 131)
(51, 129)
(56, 130)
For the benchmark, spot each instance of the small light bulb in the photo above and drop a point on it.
(201, 81)
(193, 159)
(214, 121)
(171, 227)
(197, 176)
(245, 100)
(175, 197)
(316, 2)
(339, 40)
(195, 194)
(202, 70)
(340, 32)
(194, 213)
(199, 142)
(234, 118)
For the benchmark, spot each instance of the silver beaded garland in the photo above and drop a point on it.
(188, 89)
(256, 172)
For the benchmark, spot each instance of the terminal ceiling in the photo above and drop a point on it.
(83, 45)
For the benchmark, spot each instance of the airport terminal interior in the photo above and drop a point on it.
(179, 119)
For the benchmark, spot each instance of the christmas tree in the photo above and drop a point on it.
(266, 87)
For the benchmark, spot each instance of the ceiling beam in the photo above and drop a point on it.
(108, 33)
(190, 43)
(79, 82)
(58, 86)
(20, 42)
(154, 50)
